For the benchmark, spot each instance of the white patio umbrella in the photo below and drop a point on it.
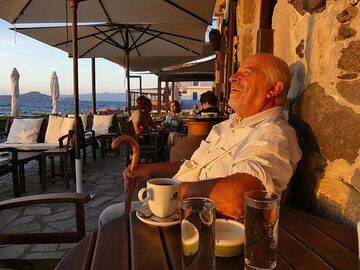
(127, 42)
(119, 11)
(14, 83)
(55, 91)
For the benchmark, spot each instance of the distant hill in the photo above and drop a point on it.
(102, 97)
(35, 95)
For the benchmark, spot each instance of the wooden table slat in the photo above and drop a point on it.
(339, 233)
(79, 258)
(326, 247)
(282, 264)
(147, 249)
(298, 255)
(172, 241)
(115, 255)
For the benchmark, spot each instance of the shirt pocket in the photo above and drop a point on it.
(221, 166)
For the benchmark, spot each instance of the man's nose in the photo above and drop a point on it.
(234, 78)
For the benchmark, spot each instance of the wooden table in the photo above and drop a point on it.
(199, 125)
(305, 242)
(24, 158)
(64, 155)
(105, 143)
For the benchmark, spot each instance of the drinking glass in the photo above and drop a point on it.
(197, 216)
(261, 229)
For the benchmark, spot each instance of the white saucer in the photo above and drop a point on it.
(144, 214)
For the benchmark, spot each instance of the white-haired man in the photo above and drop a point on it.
(256, 147)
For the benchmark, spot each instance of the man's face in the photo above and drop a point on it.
(249, 87)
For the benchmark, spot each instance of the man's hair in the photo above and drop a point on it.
(208, 97)
(177, 106)
(277, 70)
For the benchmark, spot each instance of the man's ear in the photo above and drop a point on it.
(276, 90)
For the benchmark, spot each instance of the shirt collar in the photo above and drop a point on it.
(254, 119)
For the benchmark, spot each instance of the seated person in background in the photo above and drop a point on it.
(208, 102)
(255, 149)
(171, 122)
(141, 118)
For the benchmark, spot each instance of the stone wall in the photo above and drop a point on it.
(247, 14)
(320, 40)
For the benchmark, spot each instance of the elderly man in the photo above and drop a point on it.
(255, 149)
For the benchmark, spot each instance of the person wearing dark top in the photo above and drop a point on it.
(208, 102)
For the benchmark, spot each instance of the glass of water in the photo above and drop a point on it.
(197, 233)
(261, 229)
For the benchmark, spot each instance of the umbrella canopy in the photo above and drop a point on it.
(126, 41)
(151, 63)
(14, 83)
(55, 91)
(119, 11)
(149, 40)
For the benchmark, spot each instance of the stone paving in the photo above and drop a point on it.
(102, 178)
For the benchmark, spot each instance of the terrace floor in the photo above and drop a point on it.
(102, 178)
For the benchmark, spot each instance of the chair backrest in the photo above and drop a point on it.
(127, 128)
(41, 135)
(102, 123)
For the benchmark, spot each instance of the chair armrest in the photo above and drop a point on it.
(78, 198)
(14, 153)
(62, 138)
(90, 131)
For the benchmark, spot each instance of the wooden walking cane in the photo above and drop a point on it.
(133, 165)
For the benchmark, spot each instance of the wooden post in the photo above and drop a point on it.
(265, 35)
(78, 163)
(93, 76)
(173, 91)
(159, 96)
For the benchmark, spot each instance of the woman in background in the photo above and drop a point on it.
(141, 118)
(171, 122)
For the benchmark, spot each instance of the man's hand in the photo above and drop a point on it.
(227, 192)
(142, 173)
(146, 171)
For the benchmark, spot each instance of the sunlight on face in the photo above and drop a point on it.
(249, 86)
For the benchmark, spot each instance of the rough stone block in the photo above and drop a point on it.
(350, 57)
(345, 31)
(335, 127)
(311, 6)
(347, 15)
(350, 90)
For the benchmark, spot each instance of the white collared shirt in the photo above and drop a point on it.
(262, 145)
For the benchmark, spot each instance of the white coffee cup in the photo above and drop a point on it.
(162, 196)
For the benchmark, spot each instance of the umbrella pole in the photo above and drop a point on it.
(78, 162)
(93, 86)
(128, 71)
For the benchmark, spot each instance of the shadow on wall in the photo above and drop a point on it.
(312, 165)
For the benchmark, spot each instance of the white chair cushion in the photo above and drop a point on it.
(24, 131)
(83, 117)
(30, 146)
(57, 127)
(102, 123)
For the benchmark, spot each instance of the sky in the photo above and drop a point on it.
(35, 61)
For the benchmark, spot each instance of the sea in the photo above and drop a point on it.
(29, 107)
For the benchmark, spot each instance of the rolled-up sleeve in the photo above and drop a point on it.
(267, 158)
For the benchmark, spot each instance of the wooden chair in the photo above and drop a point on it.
(78, 199)
(87, 138)
(149, 144)
(8, 164)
